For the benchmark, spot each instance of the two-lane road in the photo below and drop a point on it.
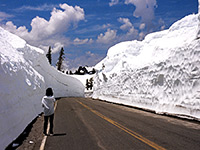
(86, 124)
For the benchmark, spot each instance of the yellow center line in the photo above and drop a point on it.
(132, 133)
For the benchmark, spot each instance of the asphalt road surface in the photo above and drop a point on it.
(86, 124)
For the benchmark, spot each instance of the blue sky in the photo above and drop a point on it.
(87, 28)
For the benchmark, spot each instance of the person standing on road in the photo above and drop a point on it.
(48, 102)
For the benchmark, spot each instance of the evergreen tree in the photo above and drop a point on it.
(60, 59)
(48, 55)
(93, 71)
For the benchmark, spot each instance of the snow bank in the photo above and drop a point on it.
(161, 73)
(198, 31)
(24, 76)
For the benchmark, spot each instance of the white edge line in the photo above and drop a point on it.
(45, 137)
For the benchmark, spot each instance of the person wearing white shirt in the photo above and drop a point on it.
(48, 102)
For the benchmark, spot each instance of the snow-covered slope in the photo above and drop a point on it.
(160, 73)
(24, 76)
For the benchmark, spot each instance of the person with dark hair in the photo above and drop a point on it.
(48, 102)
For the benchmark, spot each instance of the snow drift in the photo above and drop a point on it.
(24, 76)
(160, 73)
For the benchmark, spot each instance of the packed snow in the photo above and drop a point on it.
(24, 76)
(160, 73)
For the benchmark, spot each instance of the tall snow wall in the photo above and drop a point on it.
(24, 76)
(198, 32)
(160, 73)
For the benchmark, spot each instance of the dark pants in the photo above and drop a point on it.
(50, 119)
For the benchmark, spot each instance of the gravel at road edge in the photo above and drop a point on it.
(31, 137)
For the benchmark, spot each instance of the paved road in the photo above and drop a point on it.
(86, 124)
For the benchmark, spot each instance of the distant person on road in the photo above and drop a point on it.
(48, 102)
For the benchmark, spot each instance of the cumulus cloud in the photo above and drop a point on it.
(21, 31)
(141, 35)
(42, 29)
(59, 22)
(128, 26)
(126, 23)
(78, 41)
(108, 37)
(113, 2)
(142, 26)
(57, 47)
(106, 25)
(132, 33)
(144, 9)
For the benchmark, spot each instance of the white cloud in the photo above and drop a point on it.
(45, 7)
(162, 27)
(106, 26)
(113, 2)
(4, 16)
(108, 37)
(126, 23)
(65, 65)
(128, 26)
(89, 53)
(54, 48)
(78, 41)
(142, 26)
(144, 9)
(141, 35)
(59, 21)
(132, 33)
(21, 31)
(90, 41)
(57, 47)
(51, 30)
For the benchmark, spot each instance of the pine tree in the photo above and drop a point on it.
(60, 59)
(48, 55)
